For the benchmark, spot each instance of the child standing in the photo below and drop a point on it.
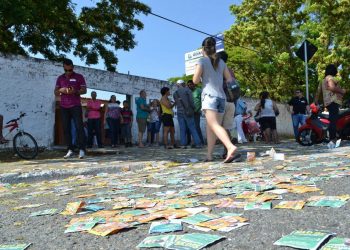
(154, 122)
(127, 123)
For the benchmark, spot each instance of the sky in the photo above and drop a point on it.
(161, 45)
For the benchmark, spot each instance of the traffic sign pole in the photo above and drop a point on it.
(306, 72)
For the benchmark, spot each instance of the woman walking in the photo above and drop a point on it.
(212, 70)
(268, 110)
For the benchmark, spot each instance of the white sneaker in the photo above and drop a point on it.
(81, 154)
(69, 154)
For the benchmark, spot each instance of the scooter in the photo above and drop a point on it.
(315, 130)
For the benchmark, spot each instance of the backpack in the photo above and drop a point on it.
(232, 91)
(241, 107)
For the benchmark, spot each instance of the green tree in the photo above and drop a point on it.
(53, 28)
(184, 77)
(267, 27)
(276, 29)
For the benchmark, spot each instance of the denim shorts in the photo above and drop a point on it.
(154, 127)
(213, 103)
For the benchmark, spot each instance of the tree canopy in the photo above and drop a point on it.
(276, 29)
(54, 28)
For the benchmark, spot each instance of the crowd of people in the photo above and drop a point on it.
(213, 92)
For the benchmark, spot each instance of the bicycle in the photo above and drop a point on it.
(24, 144)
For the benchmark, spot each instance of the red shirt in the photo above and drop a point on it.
(127, 115)
(76, 81)
(94, 108)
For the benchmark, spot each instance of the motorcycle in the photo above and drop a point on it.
(315, 130)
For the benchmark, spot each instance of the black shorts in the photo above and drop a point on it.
(167, 120)
(267, 122)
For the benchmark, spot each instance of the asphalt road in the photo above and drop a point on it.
(329, 169)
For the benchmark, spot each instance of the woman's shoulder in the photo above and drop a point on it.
(203, 60)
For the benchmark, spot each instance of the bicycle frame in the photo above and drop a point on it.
(13, 125)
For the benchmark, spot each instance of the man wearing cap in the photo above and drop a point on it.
(185, 113)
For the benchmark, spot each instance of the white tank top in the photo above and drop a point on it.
(268, 110)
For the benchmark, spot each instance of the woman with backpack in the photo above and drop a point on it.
(211, 71)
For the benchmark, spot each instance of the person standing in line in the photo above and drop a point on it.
(185, 114)
(119, 127)
(268, 110)
(332, 97)
(70, 86)
(211, 70)
(114, 119)
(167, 118)
(240, 111)
(298, 107)
(154, 122)
(94, 120)
(127, 118)
(197, 100)
(141, 116)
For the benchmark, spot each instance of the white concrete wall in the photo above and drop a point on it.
(27, 85)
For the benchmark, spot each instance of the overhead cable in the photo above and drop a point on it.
(199, 31)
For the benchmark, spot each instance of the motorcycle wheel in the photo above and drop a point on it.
(345, 133)
(307, 137)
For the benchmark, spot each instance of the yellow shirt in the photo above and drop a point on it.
(166, 110)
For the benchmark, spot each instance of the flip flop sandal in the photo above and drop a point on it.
(234, 158)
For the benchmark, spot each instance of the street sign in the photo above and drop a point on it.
(191, 58)
(219, 38)
(306, 51)
(311, 50)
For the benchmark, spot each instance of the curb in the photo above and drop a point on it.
(13, 178)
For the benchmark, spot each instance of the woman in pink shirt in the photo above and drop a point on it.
(94, 122)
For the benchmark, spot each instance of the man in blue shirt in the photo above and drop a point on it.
(141, 116)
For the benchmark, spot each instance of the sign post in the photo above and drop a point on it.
(305, 53)
(306, 72)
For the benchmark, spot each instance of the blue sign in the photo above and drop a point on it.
(219, 38)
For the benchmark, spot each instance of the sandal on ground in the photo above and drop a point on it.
(208, 160)
(233, 158)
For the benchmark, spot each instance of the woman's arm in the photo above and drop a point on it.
(227, 75)
(257, 107)
(332, 86)
(166, 103)
(197, 74)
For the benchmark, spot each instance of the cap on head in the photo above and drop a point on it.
(180, 82)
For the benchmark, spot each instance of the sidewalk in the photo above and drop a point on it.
(51, 165)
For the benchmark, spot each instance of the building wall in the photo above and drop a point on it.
(27, 85)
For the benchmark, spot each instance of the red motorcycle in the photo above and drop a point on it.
(315, 130)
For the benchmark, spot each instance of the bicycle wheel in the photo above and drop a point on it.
(25, 145)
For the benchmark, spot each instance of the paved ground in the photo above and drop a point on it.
(131, 173)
